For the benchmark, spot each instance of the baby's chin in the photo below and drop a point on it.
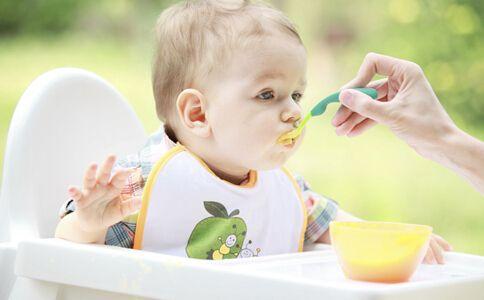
(275, 162)
(270, 159)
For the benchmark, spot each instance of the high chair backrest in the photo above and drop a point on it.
(66, 119)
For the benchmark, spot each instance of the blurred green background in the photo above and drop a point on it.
(375, 176)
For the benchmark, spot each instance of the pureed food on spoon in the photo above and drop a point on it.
(319, 109)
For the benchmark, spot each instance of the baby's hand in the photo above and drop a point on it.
(99, 204)
(437, 246)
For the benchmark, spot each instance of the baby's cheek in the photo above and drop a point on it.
(239, 145)
(247, 141)
(250, 149)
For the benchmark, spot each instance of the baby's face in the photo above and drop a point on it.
(255, 100)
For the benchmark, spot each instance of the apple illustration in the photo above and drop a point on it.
(220, 236)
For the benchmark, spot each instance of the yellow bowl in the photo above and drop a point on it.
(379, 251)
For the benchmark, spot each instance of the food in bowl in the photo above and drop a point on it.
(379, 251)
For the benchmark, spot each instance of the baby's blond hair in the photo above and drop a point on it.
(193, 38)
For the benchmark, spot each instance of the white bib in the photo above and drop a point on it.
(188, 211)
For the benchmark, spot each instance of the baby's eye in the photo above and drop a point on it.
(266, 95)
(296, 97)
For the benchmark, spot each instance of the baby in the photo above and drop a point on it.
(228, 78)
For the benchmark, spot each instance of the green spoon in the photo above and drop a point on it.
(319, 109)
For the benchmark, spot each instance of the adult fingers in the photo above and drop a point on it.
(361, 127)
(381, 87)
(373, 64)
(343, 113)
(349, 124)
(365, 105)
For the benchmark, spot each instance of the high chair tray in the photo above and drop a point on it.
(309, 275)
(461, 276)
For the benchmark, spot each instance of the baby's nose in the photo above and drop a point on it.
(291, 115)
(292, 118)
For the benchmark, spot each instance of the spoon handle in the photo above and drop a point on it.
(320, 108)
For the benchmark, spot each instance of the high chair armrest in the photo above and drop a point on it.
(8, 252)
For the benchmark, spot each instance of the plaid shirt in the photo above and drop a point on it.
(321, 210)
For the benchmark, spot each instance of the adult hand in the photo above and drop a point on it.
(407, 103)
(409, 107)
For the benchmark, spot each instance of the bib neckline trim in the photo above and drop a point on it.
(251, 182)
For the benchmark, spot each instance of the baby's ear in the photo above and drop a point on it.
(191, 107)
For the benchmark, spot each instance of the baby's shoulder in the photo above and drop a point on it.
(154, 149)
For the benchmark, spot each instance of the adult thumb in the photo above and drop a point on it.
(364, 105)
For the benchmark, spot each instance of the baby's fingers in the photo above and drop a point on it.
(437, 251)
(443, 243)
(429, 257)
(116, 185)
(434, 252)
(106, 193)
(104, 173)
(437, 246)
(79, 198)
(74, 193)
(119, 178)
(90, 177)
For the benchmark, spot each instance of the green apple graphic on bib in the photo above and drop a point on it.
(218, 237)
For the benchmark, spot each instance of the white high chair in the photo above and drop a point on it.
(70, 117)
(64, 120)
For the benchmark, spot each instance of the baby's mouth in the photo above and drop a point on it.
(289, 142)
(289, 137)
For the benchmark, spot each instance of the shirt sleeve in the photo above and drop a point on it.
(122, 233)
(321, 211)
